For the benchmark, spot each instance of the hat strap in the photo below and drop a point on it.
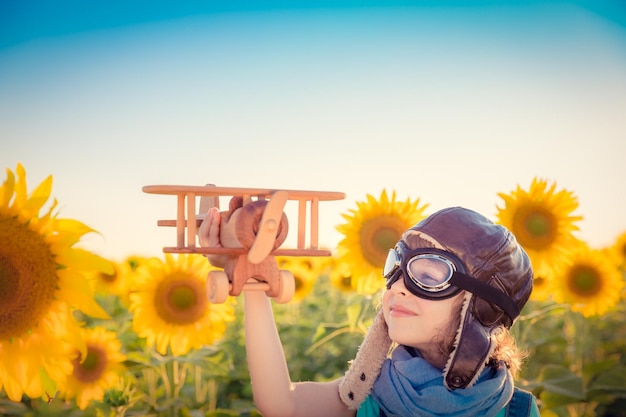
(487, 292)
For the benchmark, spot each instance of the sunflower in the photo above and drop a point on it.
(305, 271)
(105, 283)
(42, 280)
(371, 230)
(120, 281)
(341, 276)
(541, 219)
(100, 369)
(171, 308)
(590, 282)
(617, 251)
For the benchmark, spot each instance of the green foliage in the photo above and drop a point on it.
(576, 366)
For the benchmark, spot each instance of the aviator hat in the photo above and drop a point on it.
(490, 254)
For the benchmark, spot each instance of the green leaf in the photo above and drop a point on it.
(353, 311)
(138, 358)
(8, 407)
(560, 386)
(610, 384)
(48, 384)
(222, 413)
(600, 366)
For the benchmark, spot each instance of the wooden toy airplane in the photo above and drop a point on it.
(251, 233)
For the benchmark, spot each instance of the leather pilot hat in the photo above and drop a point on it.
(503, 283)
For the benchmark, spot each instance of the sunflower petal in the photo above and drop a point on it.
(20, 186)
(89, 306)
(13, 390)
(8, 187)
(38, 197)
(79, 294)
(83, 260)
(75, 338)
(73, 230)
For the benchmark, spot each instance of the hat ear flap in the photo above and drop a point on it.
(364, 369)
(473, 346)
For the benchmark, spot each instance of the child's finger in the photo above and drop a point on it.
(214, 227)
(208, 233)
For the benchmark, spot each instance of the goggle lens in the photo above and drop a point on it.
(391, 263)
(430, 272)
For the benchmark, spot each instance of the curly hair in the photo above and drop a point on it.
(505, 350)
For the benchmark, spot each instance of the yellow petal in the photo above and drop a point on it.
(39, 196)
(7, 189)
(73, 231)
(76, 339)
(20, 186)
(78, 292)
(83, 260)
(89, 306)
(13, 390)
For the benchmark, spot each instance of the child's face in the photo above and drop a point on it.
(415, 321)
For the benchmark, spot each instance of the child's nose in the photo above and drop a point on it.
(398, 286)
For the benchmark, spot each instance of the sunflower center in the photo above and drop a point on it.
(92, 367)
(346, 281)
(183, 298)
(108, 278)
(584, 281)
(378, 235)
(28, 278)
(539, 281)
(181, 301)
(534, 227)
(133, 263)
(299, 282)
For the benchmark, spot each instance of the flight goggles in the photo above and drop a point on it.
(436, 274)
(427, 272)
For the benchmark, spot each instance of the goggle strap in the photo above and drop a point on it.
(487, 292)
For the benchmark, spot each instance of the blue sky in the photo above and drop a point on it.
(449, 102)
(20, 22)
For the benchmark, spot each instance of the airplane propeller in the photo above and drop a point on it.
(268, 227)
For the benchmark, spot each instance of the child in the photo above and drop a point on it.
(455, 284)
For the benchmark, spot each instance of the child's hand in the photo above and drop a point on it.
(209, 235)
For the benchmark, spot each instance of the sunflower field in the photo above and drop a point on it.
(81, 335)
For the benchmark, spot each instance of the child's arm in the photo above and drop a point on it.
(274, 393)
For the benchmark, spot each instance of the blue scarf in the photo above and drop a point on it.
(410, 386)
